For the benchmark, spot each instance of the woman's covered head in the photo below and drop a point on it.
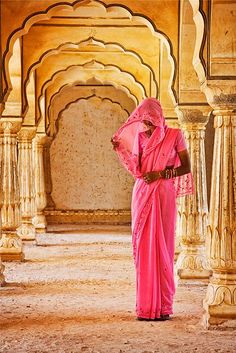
(150, 111)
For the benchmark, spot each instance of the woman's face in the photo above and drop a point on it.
(149, 125)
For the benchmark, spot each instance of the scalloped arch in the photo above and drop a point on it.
(83, 44)
(65, 87)
(51, 10)
(78, 68)
(62, 89)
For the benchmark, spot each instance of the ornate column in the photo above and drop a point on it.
(10, 242)
(39, 220)
(192, 261)
(2, 279)
(174, 123)
(47, 168)
(220, 301)
(26, 180)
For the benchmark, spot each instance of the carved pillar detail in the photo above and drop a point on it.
(48, 178)
(193, 209)
(220, 301)
(39, 220)
(26, 180)
(10, 242)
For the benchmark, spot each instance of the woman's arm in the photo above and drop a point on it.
(169, 173)
(185, 166)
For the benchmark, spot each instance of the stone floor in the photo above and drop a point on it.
(75, 293)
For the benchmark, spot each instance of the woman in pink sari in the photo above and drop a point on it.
(157, 157)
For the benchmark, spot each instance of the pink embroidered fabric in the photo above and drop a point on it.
(153, 206)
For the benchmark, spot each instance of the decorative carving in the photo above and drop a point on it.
(220, 94)
(10, 243)
(221, 246)
(26, 179)
(89, 216)
(193, 116)
(220, 303)
(193, 263)
(224, 99)
(193, 210)
(220, 294)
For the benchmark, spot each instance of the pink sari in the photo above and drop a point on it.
(153, 208)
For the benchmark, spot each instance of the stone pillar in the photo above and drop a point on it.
(192, 261)
(47, 168)
(174, 123)
(39, 220)
(10, 242)
(220, 301)
(26, 180)
(2, 278)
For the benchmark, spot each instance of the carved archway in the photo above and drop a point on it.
(52, 10)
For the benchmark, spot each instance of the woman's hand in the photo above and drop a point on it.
(150, 177)
(114, 143)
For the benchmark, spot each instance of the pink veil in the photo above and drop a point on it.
(128, 149)
(127, 135)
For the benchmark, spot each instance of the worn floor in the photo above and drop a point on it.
(75, 293)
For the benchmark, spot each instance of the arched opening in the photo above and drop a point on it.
(86, 175)
(82, 10)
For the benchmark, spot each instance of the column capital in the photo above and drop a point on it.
(10, 125)
(42, 139)
(195, 116)
(220, 94)
(26, 133)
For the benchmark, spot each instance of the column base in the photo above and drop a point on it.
(220, 302)
(218, 323)
(40, 223)
(11, 247)
(192, 264)
(26, 231)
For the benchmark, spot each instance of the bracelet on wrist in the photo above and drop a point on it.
(169, 173)
(174, 173)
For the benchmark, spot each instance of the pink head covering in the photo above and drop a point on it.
(149, 109)
(128, 134)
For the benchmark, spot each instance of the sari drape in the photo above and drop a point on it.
(153, 224)
(153, 209)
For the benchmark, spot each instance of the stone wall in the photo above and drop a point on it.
(86, 173)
